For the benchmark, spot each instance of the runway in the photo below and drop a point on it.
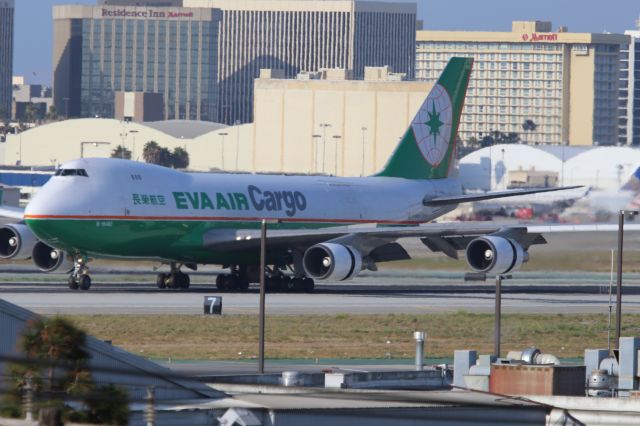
(384, 292)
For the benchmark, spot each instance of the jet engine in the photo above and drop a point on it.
(495, 255)
(48, 259)
(16, 241)
(331, 261)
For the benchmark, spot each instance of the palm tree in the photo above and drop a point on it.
(121, 152)
(180, 158)
(529, 126)
(156, 154)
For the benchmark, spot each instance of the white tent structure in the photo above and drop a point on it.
(605, 168)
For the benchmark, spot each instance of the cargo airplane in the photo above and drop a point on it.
(323, 227)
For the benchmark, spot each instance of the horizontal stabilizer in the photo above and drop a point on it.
(467, 198)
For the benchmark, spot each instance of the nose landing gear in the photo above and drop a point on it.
(79, 278)
(175, 279)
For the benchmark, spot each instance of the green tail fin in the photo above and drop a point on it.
(428, 148)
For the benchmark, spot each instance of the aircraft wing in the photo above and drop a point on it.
(466, 198)
(12, 212)
(446, 237)
(379, 241)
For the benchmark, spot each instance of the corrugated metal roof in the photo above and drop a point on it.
(184, 129)
(304, 398)
(143, 373)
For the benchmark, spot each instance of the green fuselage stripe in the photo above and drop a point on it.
(178, 240)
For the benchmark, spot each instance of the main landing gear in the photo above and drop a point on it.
(175, 279)
(237, 280)
(276, 281)
(79, 278)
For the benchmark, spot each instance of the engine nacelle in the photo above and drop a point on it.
(48, 259)
(16, 241)
(495, 255)
(331, 261)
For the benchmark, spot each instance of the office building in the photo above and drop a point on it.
(566, 83)
(101, 50)
(6, 57)
(306, 35)
(629, 130)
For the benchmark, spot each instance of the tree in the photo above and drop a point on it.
(487, 141)
(499, 137)
(180, 158)
(156, 154)
(30, 113)
(151, 152)
(529, 126)
(52, 114)
(121, 152)
(58, 372)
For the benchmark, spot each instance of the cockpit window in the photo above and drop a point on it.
(71, 172)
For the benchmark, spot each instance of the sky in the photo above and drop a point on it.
(34, 27)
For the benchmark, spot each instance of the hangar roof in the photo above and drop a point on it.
(184, 129)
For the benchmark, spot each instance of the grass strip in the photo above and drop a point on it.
(190, 337)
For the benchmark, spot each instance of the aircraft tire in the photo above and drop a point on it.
(229, 282)
(85, 282)
(241, 284)
(308, 285)
(272, 284)
(220, 282)
(183, 280)
(161, 281)
(73, 284)
(289, 284)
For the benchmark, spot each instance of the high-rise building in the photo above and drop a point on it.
(629, 130)
(101, 50)
(306, 35)
(6, 57)
(567, 84)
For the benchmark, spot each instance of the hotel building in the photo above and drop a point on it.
(629, 130)
(102, 50)
(566, 83)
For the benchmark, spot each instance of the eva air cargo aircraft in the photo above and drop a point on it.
(323, 228)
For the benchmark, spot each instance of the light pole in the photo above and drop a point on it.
(337, 139)
(504, 172)
(82, 144)
(237, 124)
(364, 129)
(564, 143)
(263, 267)
(621, 216)
(314, 148)
(263, 272)
(324, 126)
(222, 134)
(133, 150)
(497, 315)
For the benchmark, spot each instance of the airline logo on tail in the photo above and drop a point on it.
(432, 126)
(427, 149)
